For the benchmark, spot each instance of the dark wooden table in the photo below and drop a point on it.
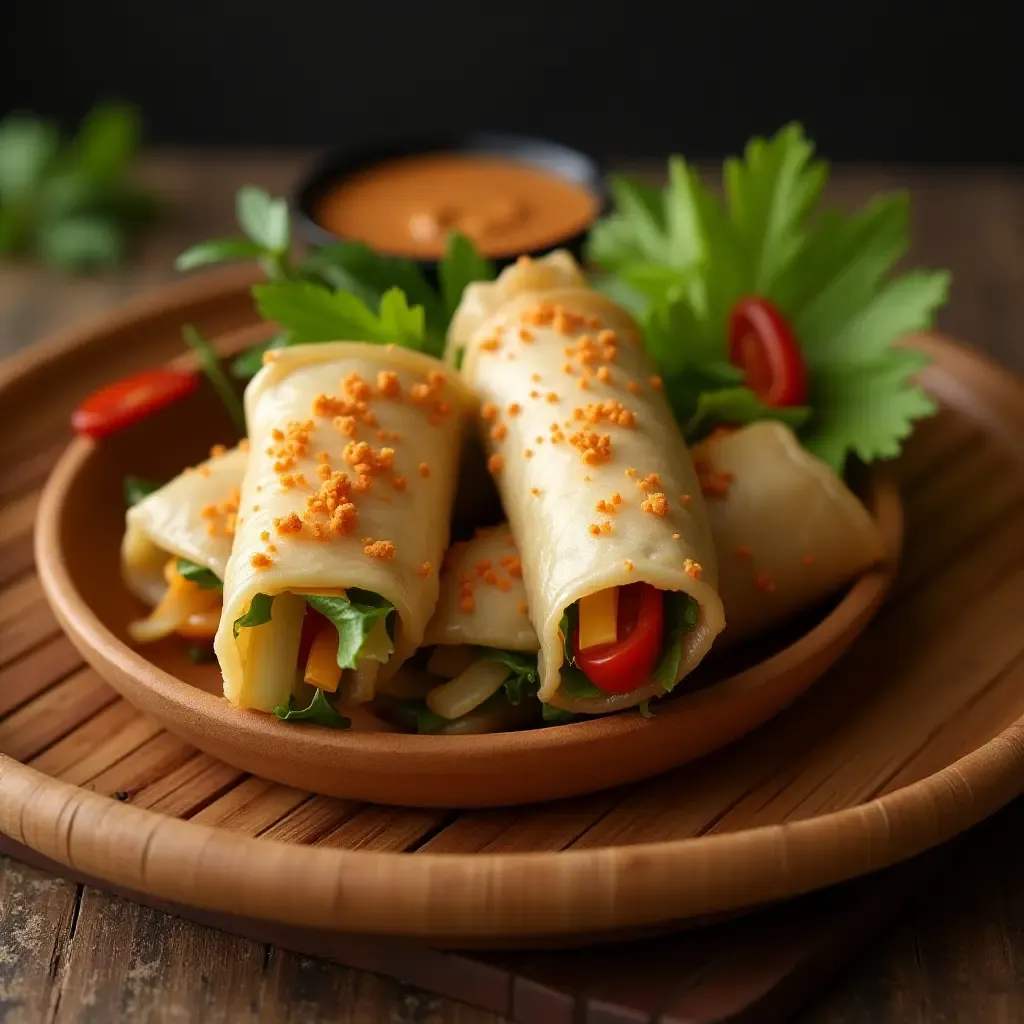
(70, 953)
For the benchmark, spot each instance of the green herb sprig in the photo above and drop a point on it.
(344, 291)
(680, 257)
(71, 203)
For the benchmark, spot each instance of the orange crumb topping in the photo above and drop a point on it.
(261, 560)
(764, 582)
(594, 448)
(379, 549)
(715, 483)
(424, 570)
(692, 569)
(388, 384)
(496, 463)
(655, 504)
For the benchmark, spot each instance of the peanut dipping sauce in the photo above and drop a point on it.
(408, 206)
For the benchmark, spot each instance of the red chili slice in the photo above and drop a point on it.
(127, 401)
(761, 343)
(628, 662)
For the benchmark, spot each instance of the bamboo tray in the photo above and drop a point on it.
(910, 739)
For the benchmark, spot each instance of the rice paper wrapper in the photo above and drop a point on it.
(191, 517)
(483, 597)
(788, 530)
(399, 453)
(592, 470)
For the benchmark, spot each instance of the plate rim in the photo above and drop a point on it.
(460, 896)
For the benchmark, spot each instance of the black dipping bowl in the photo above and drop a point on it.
(552, 157)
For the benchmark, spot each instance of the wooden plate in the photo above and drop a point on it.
(78, 535)
(909, 739)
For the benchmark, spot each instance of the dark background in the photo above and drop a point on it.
(871, 80)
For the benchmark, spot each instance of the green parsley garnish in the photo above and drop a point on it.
(71, 203)
(339, 292)
(258, 614)
(354, 616)
(523, 678)
(199, 575)
(681, 258)
(136, 488)
(320, 711)
(210, 365)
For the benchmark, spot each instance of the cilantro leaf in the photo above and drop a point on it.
(555, 716)
(415, 716)
(523, 678)
(71, 205)
(681, 614)
(200, 654)
(199, 575)
(319, 712)
(263, 219)
(210, 365)
(566, 627)
(27, 149)
(868, 409)
(81, 243)
(250, 362)
(770, 192)
(106, 141)
(356, 268)
(736, 407)
(576, 685)
(461, 265)
(218, 250)
(686, 264)
(136, 488)
(258, 614)
(354, 616)
(311, 313)
(399, 320)
(636, 232)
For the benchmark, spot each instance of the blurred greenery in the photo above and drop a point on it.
(71, 203)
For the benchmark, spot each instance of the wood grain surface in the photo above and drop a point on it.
(68, 953)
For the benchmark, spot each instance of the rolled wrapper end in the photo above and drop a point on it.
(789, 531)
(482, 299)
(483, 599)
(190, 517)
(593, 472)
(350, 484)
(696, 643)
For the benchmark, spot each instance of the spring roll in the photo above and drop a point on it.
(787, 529)
(593, 474)
(345, 511)
(176, 546)
(480, 670)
